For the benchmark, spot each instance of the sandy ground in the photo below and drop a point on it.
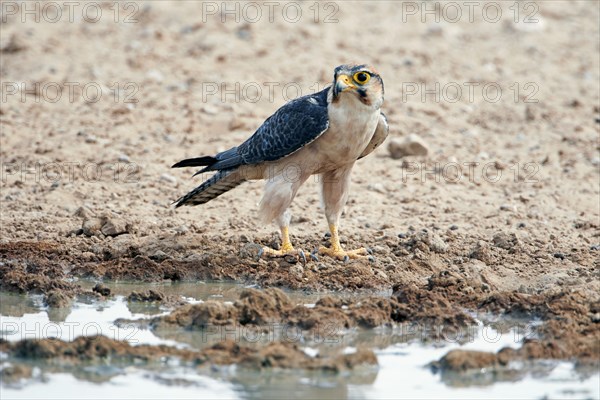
(503, 210)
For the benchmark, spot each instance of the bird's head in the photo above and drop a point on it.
(360, 81)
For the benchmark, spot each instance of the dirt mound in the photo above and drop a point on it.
(97, 349)
(261, 309)
(155, 296)
(571, 330)
(38, 268)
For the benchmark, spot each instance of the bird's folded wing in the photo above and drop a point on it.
(292, 127)
(381, 132)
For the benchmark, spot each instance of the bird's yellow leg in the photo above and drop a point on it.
(336, 250)
(286, 245)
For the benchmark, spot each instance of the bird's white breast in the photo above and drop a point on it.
(351, 127)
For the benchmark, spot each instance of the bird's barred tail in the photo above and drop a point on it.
(218, 184)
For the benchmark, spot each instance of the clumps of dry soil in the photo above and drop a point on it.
(259, 309)
(571, 331)
(98, 349)
(33, 268)
(155, 296)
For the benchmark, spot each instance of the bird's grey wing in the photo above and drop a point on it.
(292, 127)
(381, 132)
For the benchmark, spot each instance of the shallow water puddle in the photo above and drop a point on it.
(401, 355)
(82, 320)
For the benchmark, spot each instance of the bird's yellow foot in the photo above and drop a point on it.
(285, 251)
(344, 255)
(286, 248)
(336, 250)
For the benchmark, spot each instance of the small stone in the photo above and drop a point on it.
(453, 227)
(499, 165)
(505, 241)
(210, 110)
(402, 235)
(244, 239)
(481, 252)
(236, 123)
(14, 45)
(521, 225)
(74, 232)
(159, 256)
(91, 139)
(83, 212)
(560, 256)
(182, 229)
(146, 296)
(377, 187)
(155, 75)
(321, 266)
(57, 299)
(168, 178)
(297, 270)
(436, 243)
(123, 158)
(412, 145)
(92, 226)
(101, 289)
(114, 227)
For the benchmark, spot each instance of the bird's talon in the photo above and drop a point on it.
(314, 255)
(302, 256)
(288, 253)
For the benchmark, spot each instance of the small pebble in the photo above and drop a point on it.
(322, 266)
(559, 255)
(402, 235)
(521, 225)
(91, 139)
(101, 289)
(412, 145)
(453, 227)
(168, 178)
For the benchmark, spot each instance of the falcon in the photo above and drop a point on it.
(323, 133)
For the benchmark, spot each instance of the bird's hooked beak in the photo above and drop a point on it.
(342, 84)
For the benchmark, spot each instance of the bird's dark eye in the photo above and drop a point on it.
(362, 77)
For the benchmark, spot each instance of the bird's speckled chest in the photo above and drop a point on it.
(351, 127)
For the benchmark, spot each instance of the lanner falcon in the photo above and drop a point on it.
(322, 133)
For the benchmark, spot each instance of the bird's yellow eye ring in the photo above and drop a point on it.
(362, 77)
